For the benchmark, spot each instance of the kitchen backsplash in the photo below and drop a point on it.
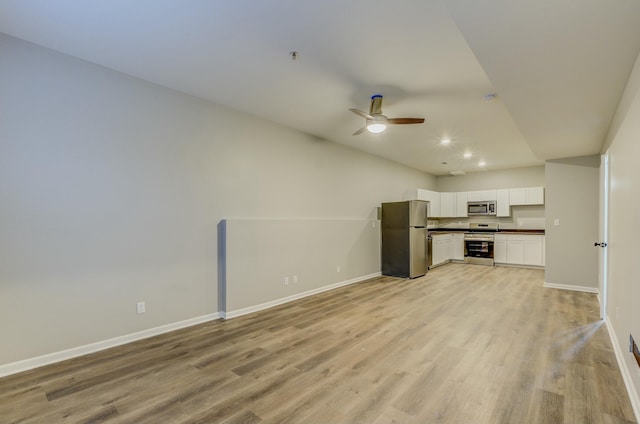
(530, 223)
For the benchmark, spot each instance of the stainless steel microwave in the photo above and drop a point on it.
(485, 207)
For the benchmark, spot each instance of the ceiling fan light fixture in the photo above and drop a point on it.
(376, 127)
(376, 122)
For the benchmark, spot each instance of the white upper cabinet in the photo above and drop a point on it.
(526, 196)
(517, 196)
(447, 205)
(474, 196)
(488, 195)
(433, 197)
(415, 194)
(503, 206)
(454, 204)
(535, 196)
(461, 204)
(501, 197)
(480, 195)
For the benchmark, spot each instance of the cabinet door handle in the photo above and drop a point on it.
(603, 244)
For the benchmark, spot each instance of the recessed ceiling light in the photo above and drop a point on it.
(482, 163)
(467, 155)
(445, 140)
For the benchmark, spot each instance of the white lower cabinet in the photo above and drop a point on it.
(515, 250)
(519, 249)
(500, 248)
(441, 245)
(457, 253)
(533, 250)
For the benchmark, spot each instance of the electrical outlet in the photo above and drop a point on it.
(141, 307)
(556, 222)
(373, 224)
(295, 279)
(338, 268)
(286, 281)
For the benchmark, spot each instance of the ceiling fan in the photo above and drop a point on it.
(376, 122)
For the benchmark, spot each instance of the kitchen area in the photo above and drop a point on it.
(502, 227)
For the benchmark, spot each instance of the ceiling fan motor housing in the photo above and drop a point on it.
(376, 105)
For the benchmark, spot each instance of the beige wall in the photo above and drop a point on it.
(312, 253)
(571, 196)
(623, 293)
(111, 190)
(532, 176)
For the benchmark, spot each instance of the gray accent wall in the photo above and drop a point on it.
(112, 190)
(572, 198)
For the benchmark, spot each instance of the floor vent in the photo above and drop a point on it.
(633, 347)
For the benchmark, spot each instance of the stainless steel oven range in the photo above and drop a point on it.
(478, 243)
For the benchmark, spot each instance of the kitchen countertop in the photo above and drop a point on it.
(510, 231)
(436, 231)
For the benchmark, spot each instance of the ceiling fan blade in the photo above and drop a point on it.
(402, 121)
(360, 131)
(361, 113)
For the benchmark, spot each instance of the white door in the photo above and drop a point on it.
(603, 234)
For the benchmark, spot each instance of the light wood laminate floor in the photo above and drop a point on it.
(465, 344)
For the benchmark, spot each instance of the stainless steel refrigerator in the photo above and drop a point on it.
(404, 239)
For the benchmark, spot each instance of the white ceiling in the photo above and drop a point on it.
(559, 67)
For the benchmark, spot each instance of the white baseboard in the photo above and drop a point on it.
(266, 305)
(505, 265)
(50, 358)
(570, 287)
(624, 369)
